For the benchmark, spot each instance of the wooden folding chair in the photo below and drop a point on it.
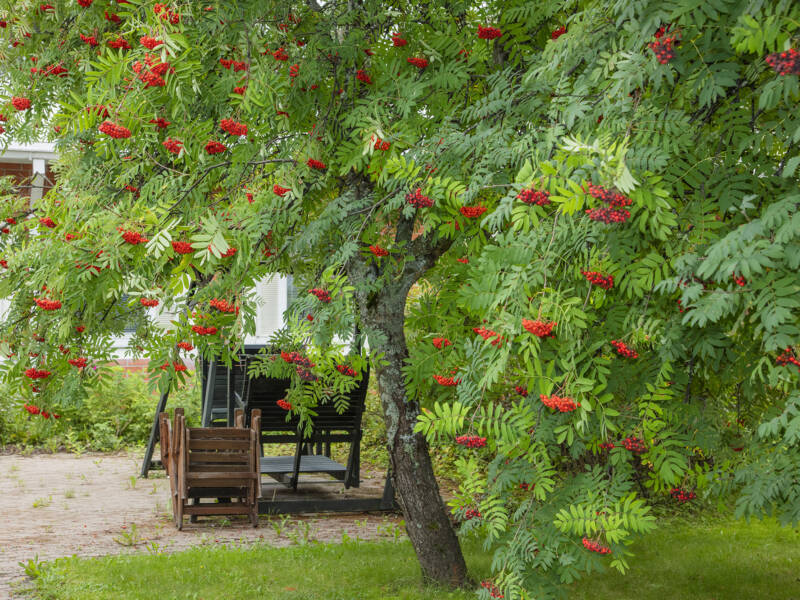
(214, 462)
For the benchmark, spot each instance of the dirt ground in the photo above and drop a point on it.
(94, 504)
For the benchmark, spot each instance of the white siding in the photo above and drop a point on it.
(271, 293)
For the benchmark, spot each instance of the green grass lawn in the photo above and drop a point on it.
(708, 559)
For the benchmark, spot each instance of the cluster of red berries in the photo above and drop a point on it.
(362, 76)
(534, 196)
(539, 328)
(213, 147)
(80, 328)
(608, 215)
(607, 445)
(35, 410)
(85, 3)
(120, 42)
(232, 127)
(305, 374)
(46, 304)
(595, 546)
(558, 32)
(464, 260)
(185, 346)
(681, 495)
(111, 17)
(441, 342)
(634, 444)
(316, 164)
(79, 362)
(178, 367)
(200, 330)
(160, 122)
(471, 441)
(604, 281)
(114, 130)
(284, 404)
(37, 373)
(381, 145)
(280, 54)
(494, 591)
(663, 48)
(229, 252)
(472, 212)
(182, 247)
(558, 403)
(133, 237)
(785, 63)
(613, 199)
(89, 39)
(57, 70)
(173, 146)
(223, 305)
(418, 199)
(280, 191)
(398, 41)
(345, 370)
(623, 350)
(148, 302)
(47, 222)
(166, 14)
(322, 295)
(522, 391)
(152, 71)
(20, 103)
(418, 62)
(446, 381)
(488, 334)
(787, 357)
(295, 358)
(488, 33)
(739, 280)
(149, 42)
(378, 250)
(294, 71)
(472, 514)
(132, 189)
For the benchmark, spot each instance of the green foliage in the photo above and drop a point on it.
(705, 266)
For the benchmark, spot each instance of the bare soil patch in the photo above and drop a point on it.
(55, 505)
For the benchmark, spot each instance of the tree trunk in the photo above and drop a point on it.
(427, 521)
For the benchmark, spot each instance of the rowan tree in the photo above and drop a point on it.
(569, 231)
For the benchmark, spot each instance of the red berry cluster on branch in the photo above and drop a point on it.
(362, 76)
(398, 41)
(522, 391)
(623, 350)
(446, 381)
(595, 278)
(294, 70)
(418, 62)
(79, 362)
(200, 330)
(378, 250)
(166, 14)
(595, 546)
(35, 410)
(539, 328)
(80, 328)
(173, 146)
(681, 495)
(57, 70)
(418, 200)
(149, 42)
(558, 32)
(305, 374)
(46, 304)
(280, 54)
(785, 63)
(132, 189)
(284, 404)
(316, 164)
(89, 39)
(607, 445)
(321, 294)
(739, 280)
(214, 147)
(494, 591)
(160, 122)
(488, 334)
(613, 199)
(223, 306)
(185, 346)
(133, 237)
(148, 302)
(120, 42)
(345, 370)
(787, 357)
(381, 145)
(663, 48)
(488, 33)
(441, 342)
(472, 514)
(85, 3)
(37, 373)
(182, 247)
(111, 17)
(559, 403)
(534, 196)
(472, 212)
(280, 191)
(295, 358)
(114, 130)
(471, 441)
(20, 103)
(634, 444)
(232, 127)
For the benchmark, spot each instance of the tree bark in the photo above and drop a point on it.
(427, 521)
